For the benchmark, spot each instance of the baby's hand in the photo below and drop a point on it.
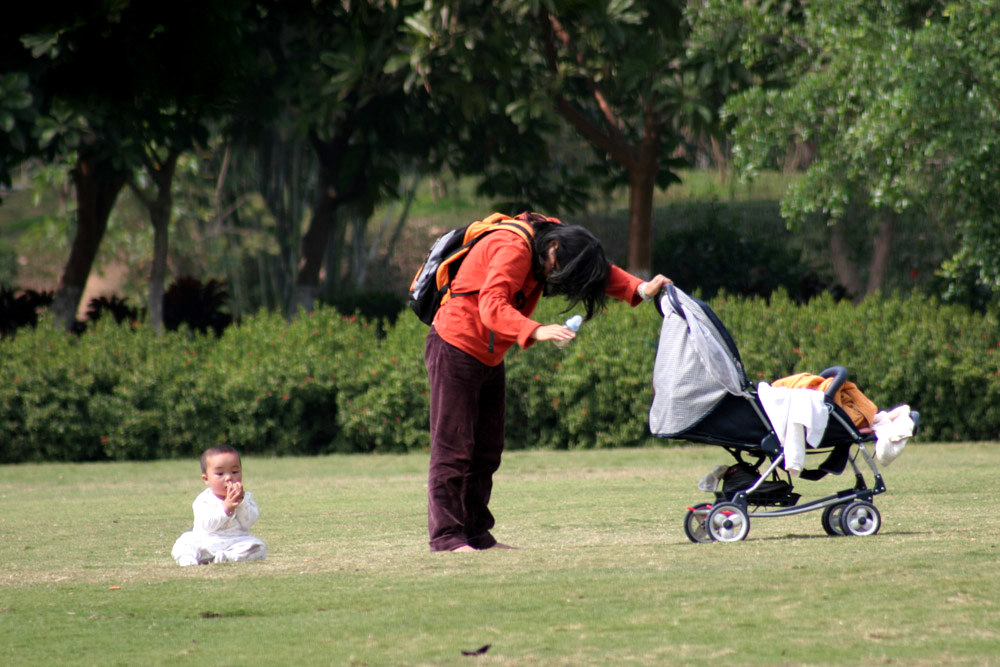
(234, 496)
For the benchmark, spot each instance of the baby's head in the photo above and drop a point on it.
(220, 467)
(215, 451)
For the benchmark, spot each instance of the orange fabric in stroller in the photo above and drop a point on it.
(857, 406)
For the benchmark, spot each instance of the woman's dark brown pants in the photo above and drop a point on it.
(467, 434)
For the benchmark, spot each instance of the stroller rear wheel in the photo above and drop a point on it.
(831, 519)
(728, 522)
(860, 518)
(694, 523)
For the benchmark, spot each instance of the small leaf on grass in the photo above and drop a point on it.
(479, 651)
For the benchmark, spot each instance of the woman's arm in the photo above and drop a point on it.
(623, 285)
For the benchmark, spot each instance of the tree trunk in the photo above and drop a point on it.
(287, 179)
(642, 182)
(881, 252)
(314, 243)
(843, 268)
(359, 242)
(158, 272)
(97, 188)
(159, 215)
(158, 203)
(338, 185)
(336, 247)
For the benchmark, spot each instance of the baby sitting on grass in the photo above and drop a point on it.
(223, 514)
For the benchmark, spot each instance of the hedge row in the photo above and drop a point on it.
(326, 383)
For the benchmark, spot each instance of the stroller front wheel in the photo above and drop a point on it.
(728, 522)
(860, 518)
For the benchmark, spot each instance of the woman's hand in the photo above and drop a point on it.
(648, 290)
(553, 332)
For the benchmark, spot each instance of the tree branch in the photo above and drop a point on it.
(610, 138)
(139, 193)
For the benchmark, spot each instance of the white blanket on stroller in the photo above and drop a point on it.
(893, 429)
(799, 417)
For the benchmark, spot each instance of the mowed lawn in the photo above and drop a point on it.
(605, 574)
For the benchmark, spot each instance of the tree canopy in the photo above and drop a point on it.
(620, 73)
(897, 101)
(112, 86)
(894, 104)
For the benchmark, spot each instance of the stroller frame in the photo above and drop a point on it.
(860, 490)
(846, 512)
(702, 394)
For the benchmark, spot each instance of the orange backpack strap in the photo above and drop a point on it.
(431, 286)
(473, 233)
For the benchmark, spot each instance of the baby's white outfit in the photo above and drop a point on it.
(218, 538)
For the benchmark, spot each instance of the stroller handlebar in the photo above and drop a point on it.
(839, 375)
(668, 293)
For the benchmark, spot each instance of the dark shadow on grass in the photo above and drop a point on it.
(824, 536)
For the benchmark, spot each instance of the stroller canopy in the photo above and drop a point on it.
(697, 365)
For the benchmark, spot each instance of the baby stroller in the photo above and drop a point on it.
(702, 395)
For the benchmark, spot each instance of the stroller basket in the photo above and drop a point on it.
(741, 476)
(702, 395)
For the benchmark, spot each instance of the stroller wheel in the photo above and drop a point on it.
(860, 518)
(694, 523)
(728, 522)
(831, 519)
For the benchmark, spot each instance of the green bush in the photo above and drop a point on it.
(742, 260)
(382, 404)
(594, 393)
(326, 382)
(943, 360)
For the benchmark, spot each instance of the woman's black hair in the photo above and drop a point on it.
(581, 271)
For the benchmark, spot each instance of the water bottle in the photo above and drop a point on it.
(573, 324)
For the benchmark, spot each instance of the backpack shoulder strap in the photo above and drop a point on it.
(499, 221)
(473, 233)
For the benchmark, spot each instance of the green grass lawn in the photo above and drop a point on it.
(605, 576)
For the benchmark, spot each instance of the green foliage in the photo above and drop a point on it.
(326, 382)
(196, 304)
(942, 360)
(45, 398)
(383, 308)
(619, 74)
(594, 393)
(897, 99)
(16, 115)
(20, 310)
(121, 392)
(383, 397)
(717, 253)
